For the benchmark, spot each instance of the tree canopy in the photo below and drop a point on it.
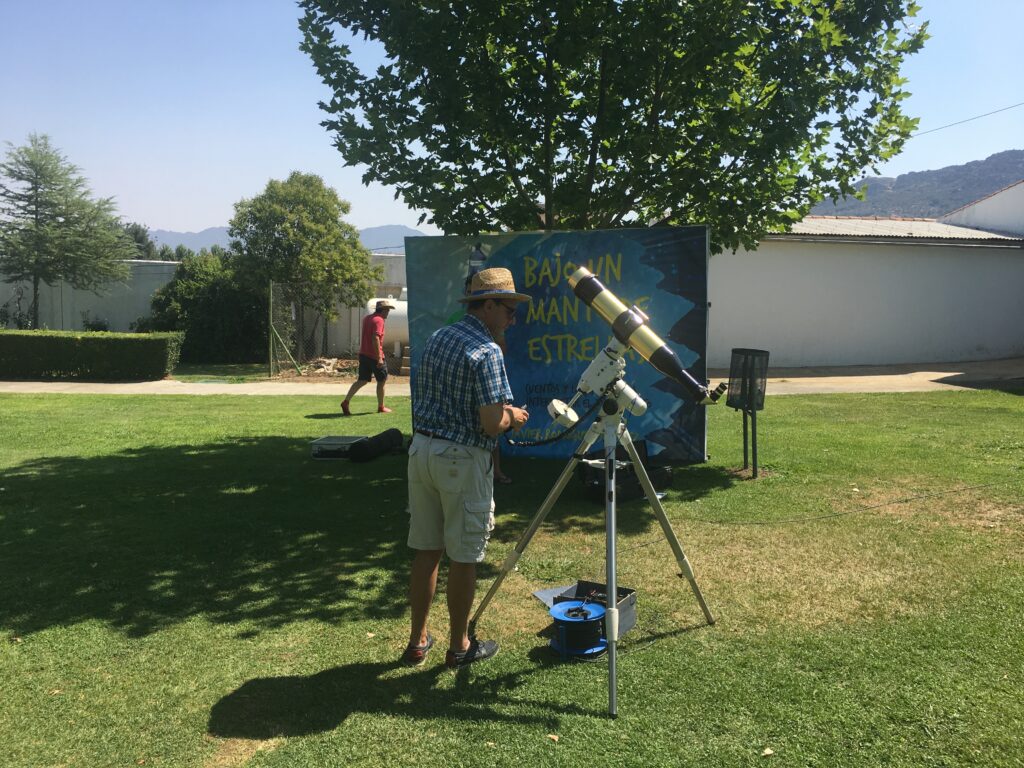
(50, 227)
(587, 114)
(294, 233)
(144, 244)
(148, 248)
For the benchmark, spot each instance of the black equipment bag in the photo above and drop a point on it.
(388, 441)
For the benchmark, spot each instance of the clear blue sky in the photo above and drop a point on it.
(180, 108)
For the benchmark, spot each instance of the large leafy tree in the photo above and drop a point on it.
(499, 114)
(294, 233)
(52, 229)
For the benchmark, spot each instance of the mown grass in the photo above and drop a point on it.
(231, 373)
(184, 586)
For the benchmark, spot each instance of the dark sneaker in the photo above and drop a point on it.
(344, 408)
(478, 651)
(415, 655)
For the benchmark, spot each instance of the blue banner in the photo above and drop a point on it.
(663, 270)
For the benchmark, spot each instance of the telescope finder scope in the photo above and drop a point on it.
(630, 327)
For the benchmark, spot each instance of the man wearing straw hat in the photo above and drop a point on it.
(461, 404)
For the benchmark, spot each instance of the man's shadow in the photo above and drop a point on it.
(297, 705)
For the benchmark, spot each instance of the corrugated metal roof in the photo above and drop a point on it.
(877, 227)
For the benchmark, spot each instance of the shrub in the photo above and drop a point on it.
(15, 315)
(90, 323)
(143, 325)
(85, 355)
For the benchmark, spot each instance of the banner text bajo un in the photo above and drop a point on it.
(552, 270)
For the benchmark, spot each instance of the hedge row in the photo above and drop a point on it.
(84, 355)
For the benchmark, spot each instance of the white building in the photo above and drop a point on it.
(855, 291)
(1002, 211)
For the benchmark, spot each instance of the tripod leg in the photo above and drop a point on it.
(611, 616)
(659, 511)
(556, 490)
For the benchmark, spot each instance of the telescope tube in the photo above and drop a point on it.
(630, 328)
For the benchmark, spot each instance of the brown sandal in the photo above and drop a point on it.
(416, 655)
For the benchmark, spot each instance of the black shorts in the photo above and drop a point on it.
(370, 368)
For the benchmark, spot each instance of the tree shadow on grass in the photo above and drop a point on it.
(298, 705)
(250, 531)
(246, 531)
(575, 512)
(1011, 386)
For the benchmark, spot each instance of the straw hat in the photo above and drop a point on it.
(384, 304)
(493, 283)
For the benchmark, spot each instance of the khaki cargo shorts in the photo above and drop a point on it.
(451, 498)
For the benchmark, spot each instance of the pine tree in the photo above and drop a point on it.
(51, 228)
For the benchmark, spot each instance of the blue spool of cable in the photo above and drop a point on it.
(579, 629)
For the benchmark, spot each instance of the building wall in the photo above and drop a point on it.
(1000, 212)
(835, 303)
(62, 307)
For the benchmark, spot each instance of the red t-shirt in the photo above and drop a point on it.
(373, 329)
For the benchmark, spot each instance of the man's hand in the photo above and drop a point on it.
(517, 417)
(498, 418)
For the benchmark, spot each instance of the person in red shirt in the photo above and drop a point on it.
(371, 357)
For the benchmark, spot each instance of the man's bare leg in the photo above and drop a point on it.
(422, 585)
(356, 386)
(461, 591)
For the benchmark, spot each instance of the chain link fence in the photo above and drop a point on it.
(297, 332)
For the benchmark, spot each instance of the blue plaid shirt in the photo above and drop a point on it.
(461, 369)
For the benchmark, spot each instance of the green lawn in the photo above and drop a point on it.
(183, 586)
(233, 373)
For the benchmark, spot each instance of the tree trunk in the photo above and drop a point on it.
(35, 302)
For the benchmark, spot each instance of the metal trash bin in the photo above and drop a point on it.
(748, 377)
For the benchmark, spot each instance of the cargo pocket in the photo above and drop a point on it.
(478, 523)
(417, 469)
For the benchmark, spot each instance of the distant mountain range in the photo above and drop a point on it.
(191, 240)
(389, 238)
(929, 194)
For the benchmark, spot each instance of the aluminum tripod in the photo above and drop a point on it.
(609, 425)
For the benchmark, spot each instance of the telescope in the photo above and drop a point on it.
(630, 326)
(604, 378)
